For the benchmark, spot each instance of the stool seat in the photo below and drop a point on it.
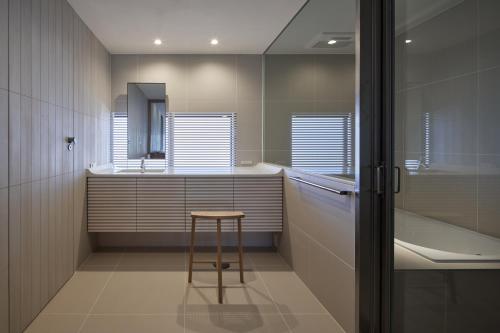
(214, 215)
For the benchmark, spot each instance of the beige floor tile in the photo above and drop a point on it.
(79, 294)
(103, 259)
(50, 323)
(227, 256)
(290, 293)
(153, 259)
(262, 259)
(151, 291)
(142, 294)
(134, 324)
(313, 324)
(151, 268)
(96, 268)
(250, 297)
(235, 322)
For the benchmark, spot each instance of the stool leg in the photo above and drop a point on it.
(240, 251)
(219, 259)
(191, 249)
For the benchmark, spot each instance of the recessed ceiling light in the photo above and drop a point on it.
(408, 41)
(332, 41)
(214, 41)
(157, 41)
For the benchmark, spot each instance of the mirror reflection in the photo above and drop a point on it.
(146, 111)
(310, 91)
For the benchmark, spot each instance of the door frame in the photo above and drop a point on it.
(374, 164)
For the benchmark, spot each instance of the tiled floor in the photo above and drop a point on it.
(147, 291)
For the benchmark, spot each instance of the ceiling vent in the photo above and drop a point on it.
(342, 41)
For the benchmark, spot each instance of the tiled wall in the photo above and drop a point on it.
(320, 84)
(451, 72)
(54, 83)
(201, 83)
(318, 241)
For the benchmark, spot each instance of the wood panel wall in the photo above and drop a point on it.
(54, 83)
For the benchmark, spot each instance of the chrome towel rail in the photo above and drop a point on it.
(329, 189)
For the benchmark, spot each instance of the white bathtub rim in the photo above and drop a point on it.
(444, 256)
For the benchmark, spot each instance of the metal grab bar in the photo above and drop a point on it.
(329, 189)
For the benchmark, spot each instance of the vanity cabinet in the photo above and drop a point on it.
(111, 204)
(164, 204)
(261, 199)
(161, 204)
(209, 193)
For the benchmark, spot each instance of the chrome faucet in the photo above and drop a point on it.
(143, 165)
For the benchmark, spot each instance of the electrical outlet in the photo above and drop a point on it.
(246, 162)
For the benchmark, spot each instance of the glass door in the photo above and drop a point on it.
(447, 148)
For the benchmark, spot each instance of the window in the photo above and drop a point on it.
(322, 143)
(192, 140)
(427, 140)
(203, 140)
(119, 140)
(425, 160)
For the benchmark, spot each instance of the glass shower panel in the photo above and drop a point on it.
(447, 144)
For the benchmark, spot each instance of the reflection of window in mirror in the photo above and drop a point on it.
(426, 159)
(309, 84)
(424, 144)
(323, 143)
(156, 129)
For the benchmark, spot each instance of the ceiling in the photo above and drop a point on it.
(334, 17)
(186, 26)
(410, 14)
(321, 20)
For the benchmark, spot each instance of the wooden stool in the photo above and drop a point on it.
(216, 215)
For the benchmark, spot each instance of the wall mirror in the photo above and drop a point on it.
(146, 111)
(309, 89)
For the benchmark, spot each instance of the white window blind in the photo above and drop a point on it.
(191, 140)
(203, 140)
(427, 140)
(119, 140)
(425, 160)
(322, 143)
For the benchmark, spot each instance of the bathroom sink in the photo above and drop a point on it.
(140, 171)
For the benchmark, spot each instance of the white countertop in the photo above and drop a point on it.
(260, 169)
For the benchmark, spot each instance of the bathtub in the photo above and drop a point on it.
(443, 242)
